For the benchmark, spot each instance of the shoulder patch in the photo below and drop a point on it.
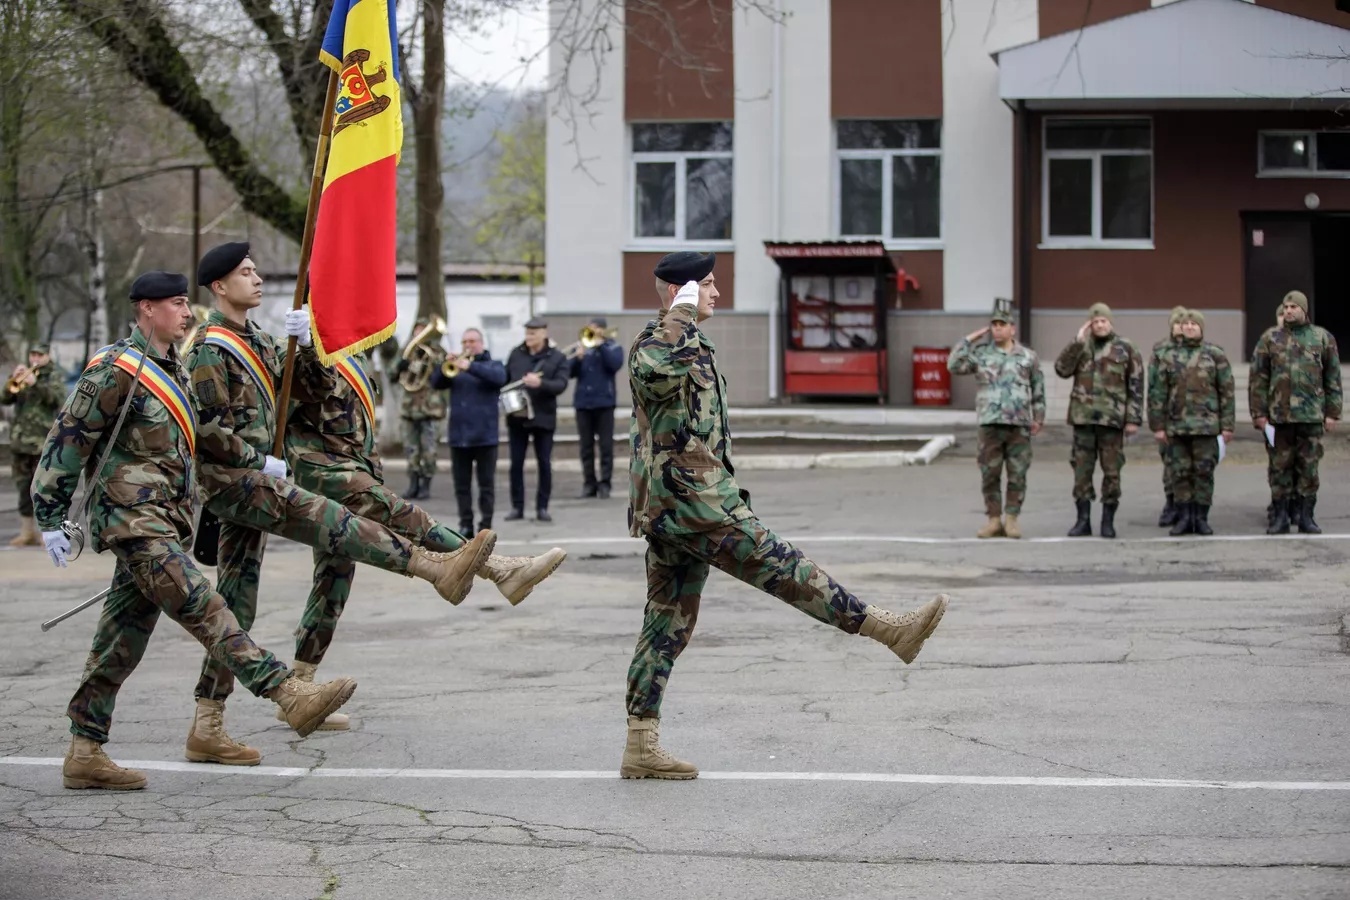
(206, 391)
(83, 402)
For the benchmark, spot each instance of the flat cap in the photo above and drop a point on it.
(220, 261)
(537, 322)
(599, 322)
(158, 286)
(685, 266)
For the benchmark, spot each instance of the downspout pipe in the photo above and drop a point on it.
(775, 193)
(1023, 286)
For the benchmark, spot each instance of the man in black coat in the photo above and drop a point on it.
(542, 372)
(594, 400)
(473, 427)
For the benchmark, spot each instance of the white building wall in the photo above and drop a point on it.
(807, 134)
(758, 160)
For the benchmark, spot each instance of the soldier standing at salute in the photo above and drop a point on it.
(1010, 408)
(235, 368)
(1105, 407)
(1190, 404)
(685, 501)
(141, 510)
(1169, 513)
(37, 392)
(1295, 385)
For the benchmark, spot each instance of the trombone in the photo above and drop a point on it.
(590, 338)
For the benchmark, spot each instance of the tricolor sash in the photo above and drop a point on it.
(161, 384)
(356, 376)
(226, 339)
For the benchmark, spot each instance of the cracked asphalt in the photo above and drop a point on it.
(1151, 659)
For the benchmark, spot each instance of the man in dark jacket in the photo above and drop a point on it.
(541, 371)
(473, 426)
(594, 400)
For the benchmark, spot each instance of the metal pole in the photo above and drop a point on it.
(50, 623)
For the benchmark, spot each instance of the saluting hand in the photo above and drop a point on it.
(1083, 332)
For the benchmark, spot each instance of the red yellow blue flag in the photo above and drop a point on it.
(351, 267)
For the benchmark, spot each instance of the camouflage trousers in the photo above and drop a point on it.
(1090, 444)
(1193, 459)
(420, 445)
(1295, 460)
(1001, 445)
(1165, 455)
(155, 575)
(23, 465)
(256, 504)
(677, 568)
(367, 497)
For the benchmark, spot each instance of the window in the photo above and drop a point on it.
(1304, 154)
(890, 175)
(682, 182)
(1098, 182)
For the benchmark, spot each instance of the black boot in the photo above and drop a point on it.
(515, 515)
(1270, 513)
(1083, 527)
(1185, 523)
(1109, 519)
(1202, 520)
(1169, 513)
(466, 530)
(1306, 525)
(414, 486)
(424, 489)
(1280, 525)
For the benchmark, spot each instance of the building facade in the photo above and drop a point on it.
(1059, 152)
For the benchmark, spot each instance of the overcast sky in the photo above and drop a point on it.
(496, 56)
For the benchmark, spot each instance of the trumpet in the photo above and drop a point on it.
(591, 337)
(449, 369)
(19, 380)
(199, 314)
(421, 357)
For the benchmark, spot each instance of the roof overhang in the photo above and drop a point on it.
(831, 257)
(1185, 55)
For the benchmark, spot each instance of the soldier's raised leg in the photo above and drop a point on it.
(1282, 484)
(1205, 455)
(989, 456)
(1083, 460)
(1111, 452)
(1184, 476)
(1017, 459)
(1307, 465)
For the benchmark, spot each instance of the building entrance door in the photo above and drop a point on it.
(1303, 252)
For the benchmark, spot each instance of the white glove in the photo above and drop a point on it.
(274, 467)
(297, 326)
(687, 294)
(58, 546)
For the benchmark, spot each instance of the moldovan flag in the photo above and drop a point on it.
(351, 268)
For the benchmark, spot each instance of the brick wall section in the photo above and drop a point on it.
(678, 60)
(1059, 16)
(886, 59)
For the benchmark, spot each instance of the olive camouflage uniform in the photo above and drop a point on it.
(1164, 450)
(685, 501)
(422, 413)
(1107, 395)
(1191, 399)
(1010, 398)
(35, 407)
(1295, 383)
(142, 511)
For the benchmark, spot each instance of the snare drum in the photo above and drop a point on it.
(513, 401)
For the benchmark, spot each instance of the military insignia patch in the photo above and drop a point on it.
(85, 392)
(206, 391)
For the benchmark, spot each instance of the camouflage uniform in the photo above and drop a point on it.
(142, 511)
(1107, 395)
(237, 426)
(1164, 450)
(685, 501)
(1296, 384)
(1191, 399)
(35, 408)
(421, 413)
(330, 449)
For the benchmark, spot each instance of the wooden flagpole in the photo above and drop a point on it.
(306, 247)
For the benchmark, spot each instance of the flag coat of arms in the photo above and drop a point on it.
(351, 267)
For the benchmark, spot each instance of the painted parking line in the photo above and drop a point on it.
(908, 539)
(590, 775)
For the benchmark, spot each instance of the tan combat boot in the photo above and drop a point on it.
(1011, 528)
(516, 576)
(992, 529)
(307, 704)
(87, 766)
(28, 534)
(207, 740)
(337, 721)
(904, 634)
(452, 573)
(644, 758)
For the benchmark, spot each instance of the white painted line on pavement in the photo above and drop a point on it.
(585, 775)
(905, 539)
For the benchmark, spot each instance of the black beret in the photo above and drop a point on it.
(158, 286)
(537, 322)
(221, 261)
(684, 266)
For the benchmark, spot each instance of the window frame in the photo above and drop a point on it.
(886, 156)
(1095, 241)
(681, 160)
(1312, 171)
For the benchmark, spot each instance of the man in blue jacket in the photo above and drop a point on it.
(473, 426)
(594, 400)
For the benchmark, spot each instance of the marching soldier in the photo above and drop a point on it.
(36, 391)
(141, 510)
(1168, 516)
(422, 411)
(1295, 386)
(1105, 407)
(331, 450)
(1010, 408)
(685, 501)
(1190, 404)
(235, 368)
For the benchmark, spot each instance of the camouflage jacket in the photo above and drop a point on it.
(146, 485)
(236, 424)
(1190, 390)
(681, 477)
(1011, 386)
(35, 408)
(428, 403)
(1295, 376)
(1108, 381)
(332, 436)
